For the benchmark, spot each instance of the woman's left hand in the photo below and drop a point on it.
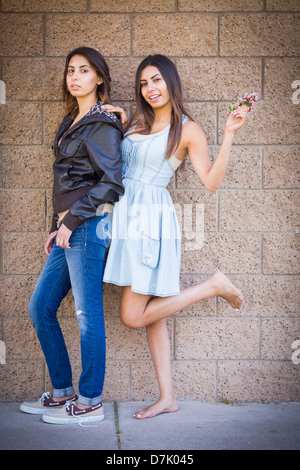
(116, 109)
(236, 119)
(63, 236)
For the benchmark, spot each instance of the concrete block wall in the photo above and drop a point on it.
(222, 49)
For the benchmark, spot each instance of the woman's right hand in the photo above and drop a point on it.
(50, 242)
(116, 109)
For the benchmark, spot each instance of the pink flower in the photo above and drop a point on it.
(247, 99)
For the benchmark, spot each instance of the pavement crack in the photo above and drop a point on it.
(117, 428)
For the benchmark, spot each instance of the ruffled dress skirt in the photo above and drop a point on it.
(145, 249)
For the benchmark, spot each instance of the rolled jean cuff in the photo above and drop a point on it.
(89, 401)
(63, 392)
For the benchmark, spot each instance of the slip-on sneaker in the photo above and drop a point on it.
(44, 404)
(71, 414)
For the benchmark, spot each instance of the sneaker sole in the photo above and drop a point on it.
(71, 420)
(35, 411)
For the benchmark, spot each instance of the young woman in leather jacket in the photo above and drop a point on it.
(87, 180)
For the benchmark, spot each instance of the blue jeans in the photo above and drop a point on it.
(80, 268)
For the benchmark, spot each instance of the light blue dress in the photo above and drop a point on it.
(145, 248)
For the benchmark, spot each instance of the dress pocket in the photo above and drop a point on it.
(149, 250)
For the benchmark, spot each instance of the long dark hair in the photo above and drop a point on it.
(170, 74)
(97, 61)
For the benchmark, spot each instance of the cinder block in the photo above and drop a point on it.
(281, 253)
(49, 210)
(259, 35)
(33, 79)
(211, 338)
(15, 293)
(204, 308)
(131, 6)
(21, 35)
(254, 381)
(281, 167)
(277, 337)
(243, 170)
(125, 343)
(259, 211)
(22, 379)
(265, 296)
(20, 340)
(27, 167)
(20, 124)
(190, 203)
(223, 5)
(194, 380)
(52, 117)
(279, 75)
(122, 73)
(219, 79)
(278, 5)
(117, 381)
(205, 115)
(22, 210)
(194, 35)
(263, 126)
(44, 6)
(143, 381)
(109, 34)
(112, 299)
(231, 253)
(23, 253)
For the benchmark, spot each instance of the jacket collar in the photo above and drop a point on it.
(95, 114)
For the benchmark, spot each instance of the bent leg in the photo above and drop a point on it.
(137, 312)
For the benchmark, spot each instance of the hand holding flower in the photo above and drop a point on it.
(238, 112)
(248, 100)
(236, 119)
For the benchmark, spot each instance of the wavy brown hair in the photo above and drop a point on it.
(97, 61)
(170, 74)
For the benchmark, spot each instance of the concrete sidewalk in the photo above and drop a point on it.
(196, 426)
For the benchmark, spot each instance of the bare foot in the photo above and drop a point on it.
(161, 406)
(228, 291)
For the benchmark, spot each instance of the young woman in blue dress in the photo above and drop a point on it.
(144, 256)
